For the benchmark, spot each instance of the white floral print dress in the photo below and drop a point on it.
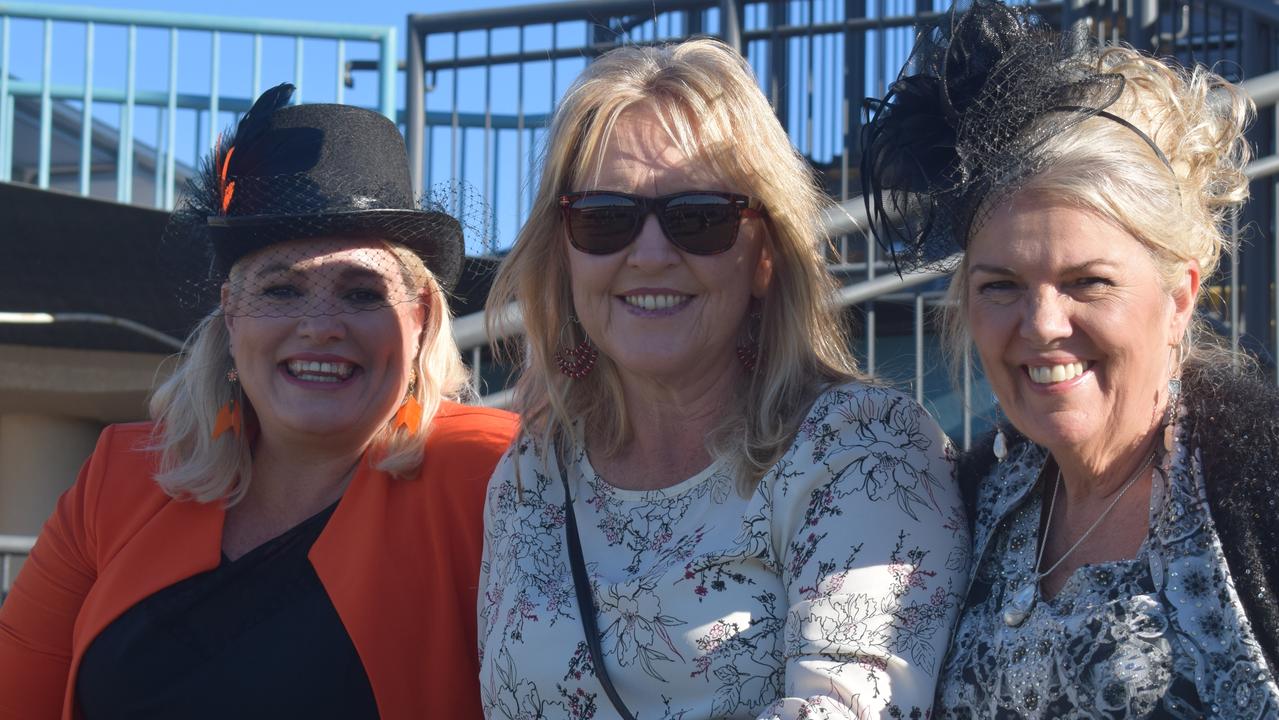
(829, 592)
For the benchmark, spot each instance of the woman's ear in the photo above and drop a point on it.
(763, 277)
(228, 319)
(1185, 296)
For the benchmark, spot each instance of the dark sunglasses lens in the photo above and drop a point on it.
(602, 223)
(701, 224)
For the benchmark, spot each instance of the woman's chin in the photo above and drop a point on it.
(1060, 430)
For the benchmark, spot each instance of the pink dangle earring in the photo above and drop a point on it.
(578, 360)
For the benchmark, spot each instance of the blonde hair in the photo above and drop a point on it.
(184, 407)
(712, 109)
(1178, 211)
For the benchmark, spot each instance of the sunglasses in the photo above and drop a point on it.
(701, 222)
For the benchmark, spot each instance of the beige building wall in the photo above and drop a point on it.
(53, 404)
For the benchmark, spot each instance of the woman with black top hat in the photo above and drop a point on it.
(1124, 514)
(297, 531)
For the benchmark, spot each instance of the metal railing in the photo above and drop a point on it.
(67, 142)
(13, 550)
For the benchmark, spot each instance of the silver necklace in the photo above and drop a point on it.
(1023, 601)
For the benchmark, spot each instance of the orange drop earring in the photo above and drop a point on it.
(230, 415)
(409, 416)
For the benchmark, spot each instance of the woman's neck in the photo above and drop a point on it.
(1100, 473)
(289, 485)
(669, 425)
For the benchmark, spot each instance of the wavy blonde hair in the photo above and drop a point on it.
(1180, 213)
(711, 107)
(184, 407)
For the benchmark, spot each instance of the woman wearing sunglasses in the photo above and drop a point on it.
(709, 512)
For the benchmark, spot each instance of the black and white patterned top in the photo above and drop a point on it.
(827, 592)
(1160, 635)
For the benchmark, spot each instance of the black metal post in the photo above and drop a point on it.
(415, 103)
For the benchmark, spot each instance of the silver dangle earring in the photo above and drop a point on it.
(1000, 447)
(1174, 395)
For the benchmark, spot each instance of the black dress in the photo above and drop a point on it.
(256, 637)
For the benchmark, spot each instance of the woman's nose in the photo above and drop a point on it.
(322, 327)
(652, 249)
(1046, 316)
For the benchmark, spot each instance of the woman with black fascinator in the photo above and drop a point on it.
(1125, 529)
(297, 532)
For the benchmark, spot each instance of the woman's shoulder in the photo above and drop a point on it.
(870, 407)
(871, 442)
(473, 427)
(125, 456)
(116, 488)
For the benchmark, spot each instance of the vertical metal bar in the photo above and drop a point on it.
(387, 67)
(6, 124)
(415, 103)
(430, 153)
(171, 160)
(86, 114)
(488, 126)
(4, 573)
(967, 399)
(6, 141)
(297, 70)
(919, 348)
(46, 107)
(779, 62)
(519, 133)
(124, 173)
(158, 169)
(215, 75)
(454, 121)
(475, 369)
(257, 67)
(809, 77)
(339, 91)
(731, 24)
(491, 221)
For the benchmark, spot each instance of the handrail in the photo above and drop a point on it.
(16, 544)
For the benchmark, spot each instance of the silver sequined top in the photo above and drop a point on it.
(1161, 635)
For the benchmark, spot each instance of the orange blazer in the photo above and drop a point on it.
(400, 560)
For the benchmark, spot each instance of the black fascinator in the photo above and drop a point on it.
(964, 123)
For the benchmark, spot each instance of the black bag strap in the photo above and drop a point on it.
(586, 599)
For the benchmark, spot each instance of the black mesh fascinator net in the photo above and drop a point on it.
(965, 122)
(308, 210)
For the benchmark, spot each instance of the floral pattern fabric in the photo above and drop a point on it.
(1161, 635)
(828, 592)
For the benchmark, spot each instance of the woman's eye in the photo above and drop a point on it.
(1092, 282)
(281, 292)
(366, 296)
(996, 286)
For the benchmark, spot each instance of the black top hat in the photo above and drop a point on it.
(302, 171)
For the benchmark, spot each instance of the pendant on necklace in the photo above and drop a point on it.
(1022, 602)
